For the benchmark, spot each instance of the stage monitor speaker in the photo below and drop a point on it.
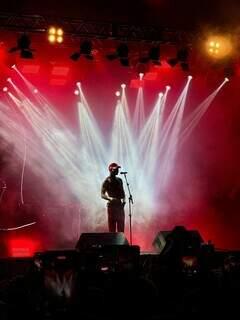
(95, 240)
(179, 240)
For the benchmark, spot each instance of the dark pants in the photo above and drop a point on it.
(116, 218)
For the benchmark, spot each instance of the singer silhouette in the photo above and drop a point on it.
(112, 190)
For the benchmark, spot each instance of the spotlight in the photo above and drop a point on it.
(75, 56)
(160, 95)
(182, 55)
(78, 83)
(154, 54)
(117, 93)
(124, 62)
(23, 45)
(181, 58)
(76, 92)
(55, 35)
(121, 53)
(35, 90)
(85, 50)
(52, 30)
(60, 32)
(26, 54)
(122, 50)
(123, 86)
(184, 66)
(9, 79)
(141, 75)
(190, 77)
(168, 87)
(5, 89)
(218, 46)
(172, 62)
(51, 38)
(226, 79)
(13, 66)
(59, 39)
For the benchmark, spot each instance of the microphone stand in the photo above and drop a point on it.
(130, 202)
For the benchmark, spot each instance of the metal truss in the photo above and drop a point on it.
(97, 30)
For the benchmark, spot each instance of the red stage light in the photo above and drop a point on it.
(58, 82)
(60, 71)
(30, 68)
(23, 247)
(150, 76)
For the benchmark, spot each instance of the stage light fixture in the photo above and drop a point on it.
(141, 75)
(121, 53)
(85, 50)
(76, 92)
(5, 89)
(60, 32)
(117, 93)
(59, 39)
(154, 54)
(123, 86)
(23, 45)
(51, 38)
(181, 58)
(226, 79)
(182, 55)
(55, 35)
(218, 46)
(168, 87)
(52, 30)
(75, 56)
(172, 62)
(35, 90)
(184, 66)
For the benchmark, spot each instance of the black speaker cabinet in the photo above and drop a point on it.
(177, 239)
(95, 240)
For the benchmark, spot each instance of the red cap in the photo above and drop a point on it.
(113, 166)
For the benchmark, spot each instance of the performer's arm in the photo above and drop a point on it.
(104, 193)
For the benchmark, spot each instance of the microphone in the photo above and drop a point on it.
(123, 172)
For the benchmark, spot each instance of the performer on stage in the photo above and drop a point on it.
(112, 191)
